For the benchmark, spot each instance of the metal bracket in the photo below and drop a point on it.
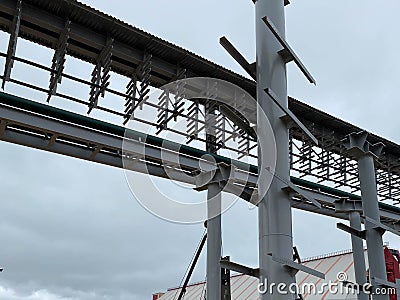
(59, 60)
(12, 44)
(52, 141)
(221, 175)
(217, 175)
(382, 226)
(287, 53)
(101, 75)
(290, 187)
(291, 115)
(236, 55)
(142, 74)
(345, 205)
(130, 99)
(167, 109)
(3, 127)
(239, 268)
(351, 230)
(357, 145)
(295, 267)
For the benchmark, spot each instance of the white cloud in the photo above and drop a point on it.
(10, 294)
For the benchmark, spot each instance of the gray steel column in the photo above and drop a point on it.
(214, 238)
(213, 288)
(275, 216)
(358, 254)
(376, 257)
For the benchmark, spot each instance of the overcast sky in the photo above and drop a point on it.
(72, 230)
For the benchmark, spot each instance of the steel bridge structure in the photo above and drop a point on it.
(326, 172)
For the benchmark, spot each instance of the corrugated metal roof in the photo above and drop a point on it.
(244, 287)
(130, 35)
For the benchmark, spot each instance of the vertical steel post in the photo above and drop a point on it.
(376, 257)
(213, 288)
(358, 254)
(275, 215)
(214, 239)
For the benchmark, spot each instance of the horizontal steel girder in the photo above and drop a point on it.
(51, 133)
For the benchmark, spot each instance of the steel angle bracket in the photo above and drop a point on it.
(12, 44)
(357, 145)
(384, 227)
(287, 52)
(345, 205)
(239, 268)
(221, 174)
(358, 233)
(290, 187)
(236, 55)
(295, 267)
(291, 115)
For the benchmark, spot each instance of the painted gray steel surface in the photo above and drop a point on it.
(275, 233)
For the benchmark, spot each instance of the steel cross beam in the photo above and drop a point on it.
(39, 126)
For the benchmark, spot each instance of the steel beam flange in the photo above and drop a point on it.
(383, 227)
(289, 114)
(290, 188)
(287, 52)
(239, 268)
(295, 267)
(345, 205)
(353, 231)
(236, 55)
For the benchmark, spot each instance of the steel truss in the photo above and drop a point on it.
(145, 65)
